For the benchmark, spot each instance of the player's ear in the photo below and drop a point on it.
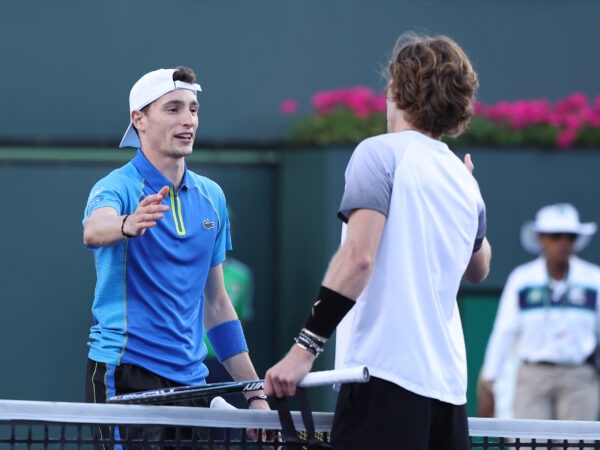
(137, 119)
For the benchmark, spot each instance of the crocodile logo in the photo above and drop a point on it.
(208, 224)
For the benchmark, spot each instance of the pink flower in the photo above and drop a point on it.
(380, 103)
(568, 116)
(324, 102)
(566, 138)
(289, 106)
(593, 118)
(525, 113)
(480, 109)
(574, 121)
(500, 112)
(518, 114)
(360, 100)
(573, 102)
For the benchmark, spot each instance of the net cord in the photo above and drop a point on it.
(534, 429)
(66, 412)
(77, 413)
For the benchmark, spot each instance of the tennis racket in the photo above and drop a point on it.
(221, 403)
(358, 374)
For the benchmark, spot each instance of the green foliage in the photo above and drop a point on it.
(588, 138)
(341, 127)
(484, 132)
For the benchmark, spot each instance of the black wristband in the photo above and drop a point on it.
(123, 225)
(256, 397)
(327, 312)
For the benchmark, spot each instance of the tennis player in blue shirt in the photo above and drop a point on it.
(159, 233)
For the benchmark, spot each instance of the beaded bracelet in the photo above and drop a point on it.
(313, 337)
(308, 345)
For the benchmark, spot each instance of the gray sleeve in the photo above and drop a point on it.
(369, 178)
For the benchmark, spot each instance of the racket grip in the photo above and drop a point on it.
(359, 374)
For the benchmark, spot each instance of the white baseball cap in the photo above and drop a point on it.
(147, 89)
(558, 218)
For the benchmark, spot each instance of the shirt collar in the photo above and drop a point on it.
(151, 174)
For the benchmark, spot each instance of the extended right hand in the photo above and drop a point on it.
(148, 212)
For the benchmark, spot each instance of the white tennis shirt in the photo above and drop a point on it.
(405, 325)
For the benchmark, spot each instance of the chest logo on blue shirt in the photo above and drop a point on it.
(208, 225)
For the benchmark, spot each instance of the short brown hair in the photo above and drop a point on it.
(182, 73)
(431, 79)
(185, 74)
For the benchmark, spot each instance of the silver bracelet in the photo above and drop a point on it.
(309, 345)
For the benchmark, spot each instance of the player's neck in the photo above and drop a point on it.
(397, 123)
(172, 168)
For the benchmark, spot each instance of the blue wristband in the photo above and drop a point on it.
(227, 339)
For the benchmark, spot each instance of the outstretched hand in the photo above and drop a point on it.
(148, 212)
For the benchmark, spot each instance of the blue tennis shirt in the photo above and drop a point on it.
(148, 303)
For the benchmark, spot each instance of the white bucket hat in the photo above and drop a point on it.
(147, 89)
(559, 218)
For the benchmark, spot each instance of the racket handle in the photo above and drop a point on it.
(359, 374)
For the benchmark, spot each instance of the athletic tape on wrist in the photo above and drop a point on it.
(327, 312)
(227, 339)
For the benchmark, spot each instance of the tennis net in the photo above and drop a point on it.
(61, 425)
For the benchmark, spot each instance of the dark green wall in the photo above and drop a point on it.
(46, 282)
(69, 65)
(311, 182)
(477, 311)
